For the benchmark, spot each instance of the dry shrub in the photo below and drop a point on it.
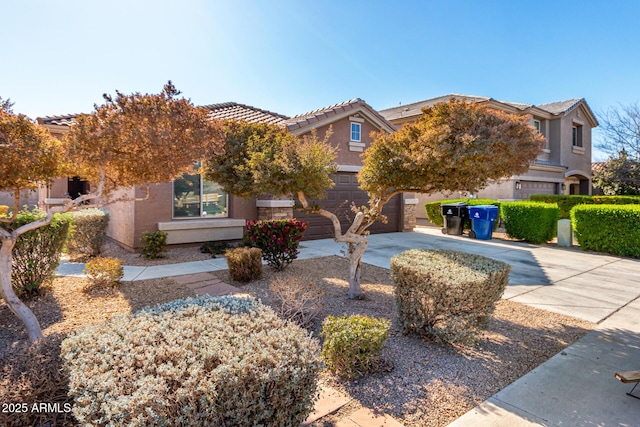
(34, 376)
(104, 271)
(245, 264)
(207, 361)
(299, 299)
(447, 295)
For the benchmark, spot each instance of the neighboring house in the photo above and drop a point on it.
(192, 210)
(562, 167)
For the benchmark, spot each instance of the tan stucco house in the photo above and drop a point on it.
(193, 210)
(562, 167)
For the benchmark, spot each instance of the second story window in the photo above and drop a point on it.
(355, 131)
(576, 136)
(536, 124)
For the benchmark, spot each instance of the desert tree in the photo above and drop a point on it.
(130, 140)
(620, 139)
(451, 147)
(620, 131)
(620, 175)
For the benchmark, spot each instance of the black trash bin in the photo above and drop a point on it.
(454, 215)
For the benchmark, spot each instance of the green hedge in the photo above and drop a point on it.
(434, 213)
(531, 221)
(566, 203)
(36, 254)
(608, 228)
(88, 232)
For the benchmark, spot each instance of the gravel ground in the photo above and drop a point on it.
(430, 384)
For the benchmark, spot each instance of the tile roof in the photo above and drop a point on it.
(555, 108)
(415, 108)
(315, 116)
(598, 166)
(560, 107)
(64, 120)
(235, 111)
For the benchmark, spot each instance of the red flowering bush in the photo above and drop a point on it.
(278, 239)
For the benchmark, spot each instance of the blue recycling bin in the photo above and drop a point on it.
(483, 218)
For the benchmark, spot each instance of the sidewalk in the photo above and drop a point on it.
(574, 388)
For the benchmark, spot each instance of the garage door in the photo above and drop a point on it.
(536, 187)
(339, 200)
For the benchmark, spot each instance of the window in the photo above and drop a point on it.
(195, 197)
(536, 124)
(576, 138)
(355, 132)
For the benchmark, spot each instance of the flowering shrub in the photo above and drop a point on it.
(352, 344)
(208, 361)
(278, 239)
(36, 254)
(104, 271)
(447, 295)
(88, 231)
(245, 264)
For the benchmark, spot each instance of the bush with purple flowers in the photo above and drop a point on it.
(278, 239)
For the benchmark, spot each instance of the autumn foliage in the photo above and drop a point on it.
(452, 146)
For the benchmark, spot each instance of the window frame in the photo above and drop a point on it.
(576, 135)
(359, 131)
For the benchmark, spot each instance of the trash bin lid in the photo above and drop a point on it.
(454, 209)
(489, 212)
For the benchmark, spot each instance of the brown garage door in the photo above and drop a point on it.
(339, 200)
(536, 187)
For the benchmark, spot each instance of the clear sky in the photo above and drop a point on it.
(59, 57)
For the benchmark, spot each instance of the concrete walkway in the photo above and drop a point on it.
(574, 388)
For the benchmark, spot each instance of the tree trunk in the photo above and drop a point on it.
(355, 267)
(6, 290)
(357, 244)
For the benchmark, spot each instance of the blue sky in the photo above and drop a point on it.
(290, 57)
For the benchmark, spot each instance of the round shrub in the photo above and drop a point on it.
(352, 344)
(446, 295)
(104, 271)
(195, 362)
(277, 238)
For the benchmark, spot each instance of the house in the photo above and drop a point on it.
(191, 209)
(563, 165)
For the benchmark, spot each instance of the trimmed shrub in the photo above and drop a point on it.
(208, 361)
(352, 344)
(153, 244)
(434, 212)
(104, 271)
(531, 221)
(447, 295)
(36, 254)
(4, 209)
(278, 239)
(88, 232)
(608, 228)
(567, 202)
(245, 264)
(299, 299)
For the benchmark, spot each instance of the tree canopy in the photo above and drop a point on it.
(620, 130)
(140, 139)
(29, 153)
(619, 175)
(259, 158)
(452, 146)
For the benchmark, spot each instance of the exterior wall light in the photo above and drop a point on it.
(518, 185)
